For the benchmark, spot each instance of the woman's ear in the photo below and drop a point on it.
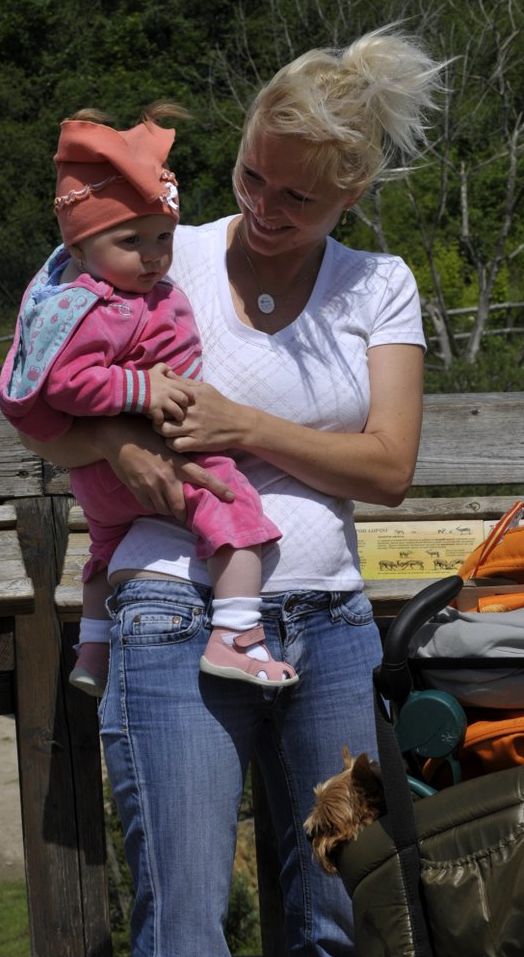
(353, 198)
(350, 199)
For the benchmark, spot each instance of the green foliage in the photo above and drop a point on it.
(499, 367)
(211, 56)
(119, 879)
(14, 922)
(457, 277)
(242, 927)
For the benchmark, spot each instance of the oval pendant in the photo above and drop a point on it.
(266, 303)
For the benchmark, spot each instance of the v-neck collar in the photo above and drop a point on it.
(235, 325)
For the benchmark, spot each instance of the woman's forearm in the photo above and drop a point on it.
(369, 467)
(91, 439)
(373, 466)
(81, 445)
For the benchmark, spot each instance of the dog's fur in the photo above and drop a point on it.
(344, 805)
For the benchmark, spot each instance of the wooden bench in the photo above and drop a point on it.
(468, 440)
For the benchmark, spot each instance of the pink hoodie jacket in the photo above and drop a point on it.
(84, 348)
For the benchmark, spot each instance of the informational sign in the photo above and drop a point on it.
(416, 549)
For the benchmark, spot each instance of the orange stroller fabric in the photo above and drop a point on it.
(502, 553)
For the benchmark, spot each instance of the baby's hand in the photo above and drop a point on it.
(166, 400)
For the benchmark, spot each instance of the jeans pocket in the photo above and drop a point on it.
(355, 608)
(155, 627)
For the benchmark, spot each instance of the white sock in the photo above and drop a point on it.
(94, 629)
(237, 615)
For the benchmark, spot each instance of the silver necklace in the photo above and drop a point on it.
(265, 301)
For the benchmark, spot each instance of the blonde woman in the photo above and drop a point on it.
(313, 357)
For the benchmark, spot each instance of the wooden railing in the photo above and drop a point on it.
(468, 440)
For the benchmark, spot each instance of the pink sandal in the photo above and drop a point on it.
(233, 661)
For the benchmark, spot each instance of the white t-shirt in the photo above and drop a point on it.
(313, 372)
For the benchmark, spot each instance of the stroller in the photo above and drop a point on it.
(441, 874)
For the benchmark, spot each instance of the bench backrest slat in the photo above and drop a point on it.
(472, 439)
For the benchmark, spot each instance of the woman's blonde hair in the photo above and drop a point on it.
(359, 110)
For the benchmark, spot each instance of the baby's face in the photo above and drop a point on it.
(132, 256)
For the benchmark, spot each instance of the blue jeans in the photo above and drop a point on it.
(178, 743)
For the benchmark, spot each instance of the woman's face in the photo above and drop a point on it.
(284, 206)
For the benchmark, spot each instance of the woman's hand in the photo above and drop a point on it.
(138, 457)
(212, 422)
(149, 470)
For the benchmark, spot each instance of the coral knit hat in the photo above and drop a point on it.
(107, 176)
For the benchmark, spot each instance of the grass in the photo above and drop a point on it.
(14, 922)
(243, 931)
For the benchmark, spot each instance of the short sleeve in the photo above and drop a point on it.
(398, 318)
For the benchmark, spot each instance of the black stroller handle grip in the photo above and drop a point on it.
(393, 677)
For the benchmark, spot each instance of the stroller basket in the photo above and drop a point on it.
(444, 875)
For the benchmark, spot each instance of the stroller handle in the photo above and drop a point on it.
(393, 677)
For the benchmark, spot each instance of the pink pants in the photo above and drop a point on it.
(110, 509)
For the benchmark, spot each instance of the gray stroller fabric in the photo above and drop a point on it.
(467, 634)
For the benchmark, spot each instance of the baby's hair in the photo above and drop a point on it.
(164, 109)
(92, 115)
(159, 110)
(361, 109)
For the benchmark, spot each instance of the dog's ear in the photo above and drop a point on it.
(367, 779)
(363, 767)
(346, 757)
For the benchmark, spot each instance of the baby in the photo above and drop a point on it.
(101, 331)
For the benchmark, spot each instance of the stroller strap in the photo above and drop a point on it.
(399, 823)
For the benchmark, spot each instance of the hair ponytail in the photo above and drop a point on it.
(392, 80)
(360, 110)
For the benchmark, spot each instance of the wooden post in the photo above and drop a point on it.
(59, 762)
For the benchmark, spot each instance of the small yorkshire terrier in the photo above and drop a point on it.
(344, 805)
